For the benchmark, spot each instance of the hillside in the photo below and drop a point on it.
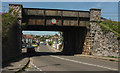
(113, 26)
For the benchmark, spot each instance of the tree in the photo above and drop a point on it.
(49, 37)
(42, 39)
(50, 43)
(56, 35)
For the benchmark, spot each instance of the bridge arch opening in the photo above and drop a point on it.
(45, 42)
(72, 37)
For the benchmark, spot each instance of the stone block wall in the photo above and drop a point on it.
(12, 48)
(18, 9)
(95, 14)
(86, 47)
(100, 44)
(104, 44)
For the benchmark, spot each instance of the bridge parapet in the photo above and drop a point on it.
(55, 12)
(39, 16)
(35, 16)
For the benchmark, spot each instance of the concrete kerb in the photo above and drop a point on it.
(98, 57)
(91, 56)
(53, 48)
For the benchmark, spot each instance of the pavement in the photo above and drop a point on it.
(99, 57)
(16, 64)
(90, 56)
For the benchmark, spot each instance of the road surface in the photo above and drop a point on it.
(45, 59)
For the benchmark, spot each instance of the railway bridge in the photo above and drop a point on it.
(73, 23)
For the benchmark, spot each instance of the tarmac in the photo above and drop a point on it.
(23, 63)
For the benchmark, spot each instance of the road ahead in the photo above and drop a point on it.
(47, 60)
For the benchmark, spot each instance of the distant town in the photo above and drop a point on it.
(55, 41)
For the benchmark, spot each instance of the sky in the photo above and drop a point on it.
(109, 9)
(60, 0)
(40, 32)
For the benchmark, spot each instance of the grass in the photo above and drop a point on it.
(110, 56)
(109, 29)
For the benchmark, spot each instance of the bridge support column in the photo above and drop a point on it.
(80, 35)
(69, 42)
(74, 41)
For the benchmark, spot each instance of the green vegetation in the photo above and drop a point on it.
(49, 37)
(43, 39)
(88, 24)
(56, 35)
(109, 26)
(23, 24)
(10, 10)
(50, 43)
(37, 36)
(112, 26)
(8, 21)
(112, 57)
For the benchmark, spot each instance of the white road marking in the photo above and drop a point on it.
(35, 66)
(84, 63)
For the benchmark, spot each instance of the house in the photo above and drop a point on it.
(27, 39)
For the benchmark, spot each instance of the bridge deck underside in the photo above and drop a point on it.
(52, 28)
(74, 36)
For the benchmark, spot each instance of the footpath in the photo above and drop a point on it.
(91, 56)
(17, 65)
(99, 57)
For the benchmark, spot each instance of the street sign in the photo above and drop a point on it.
(53, 21)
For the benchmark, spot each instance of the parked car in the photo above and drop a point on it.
(35, 45)
(30, 49)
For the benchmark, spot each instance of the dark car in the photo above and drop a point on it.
(30, 49)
